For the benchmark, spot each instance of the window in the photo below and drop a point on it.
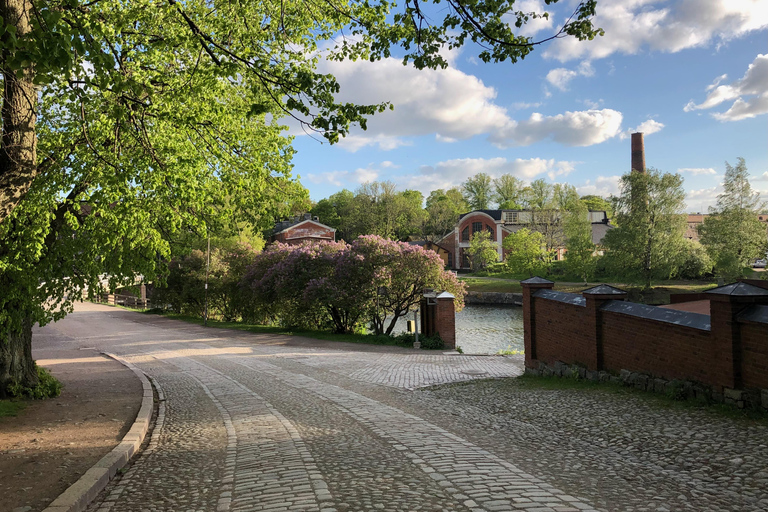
(511, 218)
(489, 229)
(477, 227)
(465, 234)
(450, 260)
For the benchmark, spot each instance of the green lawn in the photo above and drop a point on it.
(11, 408)
(658, 295)
(318, 335)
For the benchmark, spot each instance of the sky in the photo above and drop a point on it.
(692, 75)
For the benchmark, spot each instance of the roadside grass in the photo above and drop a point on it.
(757, 415)
(11, 407)
(368, 339)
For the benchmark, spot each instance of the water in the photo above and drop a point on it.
(485, 329)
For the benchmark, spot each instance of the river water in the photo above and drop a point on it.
(485, 329)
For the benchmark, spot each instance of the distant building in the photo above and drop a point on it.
(500, 223)
(697, 219)
(445, 254)
(300, 229)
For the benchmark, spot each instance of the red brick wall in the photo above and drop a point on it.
(754, 354)
(659, 348)
(486, 220)
(732, 354)
(561, 332)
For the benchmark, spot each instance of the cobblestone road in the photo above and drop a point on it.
(262, 422)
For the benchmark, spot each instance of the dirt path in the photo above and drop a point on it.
(51, 443)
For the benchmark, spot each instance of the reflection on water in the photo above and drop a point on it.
(485, 329)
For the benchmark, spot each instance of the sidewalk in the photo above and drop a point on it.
(51, 443)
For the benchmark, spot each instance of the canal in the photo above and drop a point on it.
(485, 329)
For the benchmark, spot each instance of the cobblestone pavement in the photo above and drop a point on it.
(256, 422)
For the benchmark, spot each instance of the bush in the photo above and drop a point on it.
(47, 387)
(432, 342)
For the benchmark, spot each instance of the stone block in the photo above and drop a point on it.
(603, 376)
(561, 369)
(659, 385)
(614, 379)
(733, 395)
(593, 375)
(582, 372)
(641, 381)
(626, 377)
(547, 371)
(532, 372)
(701, 393)
(764, 398)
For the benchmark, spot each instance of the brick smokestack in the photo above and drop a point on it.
(638, 152)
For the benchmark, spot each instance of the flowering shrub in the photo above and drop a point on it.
(342, 285)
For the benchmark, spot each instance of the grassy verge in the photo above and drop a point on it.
(368, 339)
(11, 407)
(663, 401)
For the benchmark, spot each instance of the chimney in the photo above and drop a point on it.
(638, 152)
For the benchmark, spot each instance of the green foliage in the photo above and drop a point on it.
(509, 351)
(525, 252)
(598, 203)
(184, 289)
(508, 192)
(482, 250)
(434, 342)
(732, 234)
(443, 210)
(648, 242)
(696, 263)
(48, 387)
(579, 260)
(478, 191)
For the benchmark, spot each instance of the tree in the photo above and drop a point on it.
(478, 191)
(482, 250)
(156, 119)
(545, 215)
(598, 203)
(649, 243)
(508, 192)
(443, 210)
(525, 252)
(579, 260)
(401, 271)
(732, 233)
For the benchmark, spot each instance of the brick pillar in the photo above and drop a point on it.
(530, 286)
(725, 304)
(638, 152)
(445, 319)
(595, 297)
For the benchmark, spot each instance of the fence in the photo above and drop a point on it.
(128, 301)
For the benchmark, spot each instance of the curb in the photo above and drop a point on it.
(78, 495)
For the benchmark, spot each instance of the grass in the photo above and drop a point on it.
(563, 383)
(11, 407)
(659, 294)
(368, 339)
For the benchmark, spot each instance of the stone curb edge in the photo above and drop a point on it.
(79, 495)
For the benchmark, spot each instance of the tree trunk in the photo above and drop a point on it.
(18, 148)
(16, 363)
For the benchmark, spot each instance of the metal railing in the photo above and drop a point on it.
(128, 301)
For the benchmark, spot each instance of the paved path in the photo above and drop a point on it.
(275, 423)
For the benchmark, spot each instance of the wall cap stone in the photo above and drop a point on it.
(536, 280)
(739, 290)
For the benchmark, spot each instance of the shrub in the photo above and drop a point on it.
(432, 342)
(47, 387)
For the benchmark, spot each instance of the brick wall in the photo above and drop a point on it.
(726, 349)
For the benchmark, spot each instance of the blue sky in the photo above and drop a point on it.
(691, 74)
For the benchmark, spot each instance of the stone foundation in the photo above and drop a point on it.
(678, 389)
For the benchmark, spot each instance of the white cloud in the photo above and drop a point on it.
(754, 83)
(697, 171)
(452, 106)
(521, 105)
(561, 77)
(632, 26)
(762, 177)
(347, 178)
(602, 186)
(534, 26)
(647, 127)
(581, 128)
(700, 200)
(446, 102)
(452, 173)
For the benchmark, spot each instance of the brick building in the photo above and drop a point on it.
(500, 223)
(300, 229)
